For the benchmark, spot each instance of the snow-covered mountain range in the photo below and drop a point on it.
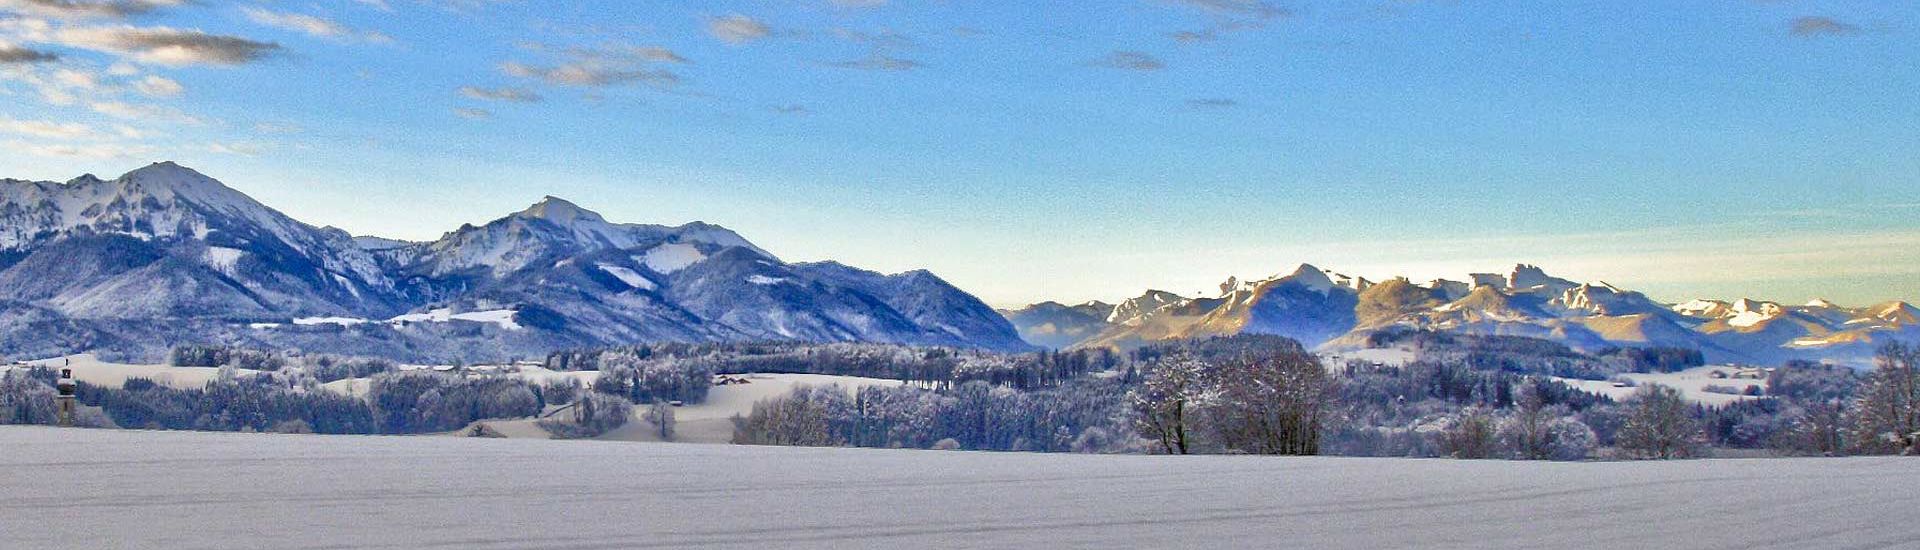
(165, 255)
(1332, 311)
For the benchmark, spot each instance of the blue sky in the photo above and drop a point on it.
(1086, 150)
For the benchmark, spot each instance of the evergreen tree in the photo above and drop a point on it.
(1887, 412)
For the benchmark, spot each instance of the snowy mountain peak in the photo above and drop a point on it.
(1821, 303)
(1747, 312)
(1133, 309)
(1310, 277)
(1451, 290)
(1094, 304)
(167, 174)
(1749, 305)
(561, 211)
(1525, 276)
(167, 182)
(1898, 312)
(174, 255)
(1701, 308)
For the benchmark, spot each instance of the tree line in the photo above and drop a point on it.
(1240, 395)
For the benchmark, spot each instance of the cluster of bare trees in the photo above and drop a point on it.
(590, 415)
(1659, 425)
(1080, 416)
(1809, 410)
(1532, 429)
(1273, 402)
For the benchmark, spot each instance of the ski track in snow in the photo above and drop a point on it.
(134, 489)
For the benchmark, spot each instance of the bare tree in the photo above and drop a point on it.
(1528, 431)
(1275, 402)
(1164, 402)
(1658, 425)
(1818, 429)
(660, 414)
(1470, 434)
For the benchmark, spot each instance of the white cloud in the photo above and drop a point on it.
(159, 86)
(1242, 8)
(590, 73)
(737, 29)
(85, 9)
(1817, 26)
(877, 62)
(472, 114)
(75, 79)
(44, 128)
(92, 151)
(278, 128)
(166, 45)
(17, 54)
(1129, 60)
(311, 24)
(130, 132)
(58, 86)
(517, 95)
(235, 148)
(133, 111)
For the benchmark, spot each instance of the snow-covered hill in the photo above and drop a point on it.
(165, 255)
(166, 241)
(1325, 309)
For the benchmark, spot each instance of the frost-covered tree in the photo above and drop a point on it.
(25, 400)
(1659, 425)
(1469, 434)
(1818, 429)
(1887, 412)
(797, 419)
(592, 415)
(1275, 401)
(1261, 397)
(1164, 403)
(1531, 430)
(414, 402)
(1572, 440)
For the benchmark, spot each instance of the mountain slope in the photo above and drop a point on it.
(1054, 325)
(165, 255)
(164, 241)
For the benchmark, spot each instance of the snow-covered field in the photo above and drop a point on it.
(136, 489)
(706, 422)
(1393, 357)
(711, 421)
(1692, 383)
(90, 369)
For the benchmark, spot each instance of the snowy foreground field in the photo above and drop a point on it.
(114, 489)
